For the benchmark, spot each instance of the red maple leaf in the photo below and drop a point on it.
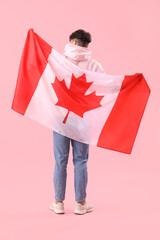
(73, 98)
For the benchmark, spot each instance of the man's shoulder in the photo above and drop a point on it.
(96, 66)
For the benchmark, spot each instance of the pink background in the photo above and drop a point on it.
(124, 189)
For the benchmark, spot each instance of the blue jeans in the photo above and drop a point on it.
(80, 158)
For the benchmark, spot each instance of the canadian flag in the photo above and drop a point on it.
(95, 108)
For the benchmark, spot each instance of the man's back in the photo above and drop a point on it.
(81, 56)
(77, 52)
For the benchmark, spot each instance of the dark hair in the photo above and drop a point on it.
(83, 37)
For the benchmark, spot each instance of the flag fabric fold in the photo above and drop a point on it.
(95, 108)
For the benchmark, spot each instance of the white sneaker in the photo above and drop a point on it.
(57, 207)
(81, 209)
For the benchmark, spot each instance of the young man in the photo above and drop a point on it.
(77, 52)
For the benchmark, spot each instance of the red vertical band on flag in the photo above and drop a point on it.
(120, 129)
(33, 62)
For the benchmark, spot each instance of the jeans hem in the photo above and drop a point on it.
(81, 200)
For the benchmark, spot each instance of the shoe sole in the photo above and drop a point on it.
(80, 212)
(56, 211)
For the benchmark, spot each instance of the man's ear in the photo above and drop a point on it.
(74, 41)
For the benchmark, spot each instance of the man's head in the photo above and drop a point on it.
(80, 38)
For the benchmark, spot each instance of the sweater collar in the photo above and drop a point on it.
(76, 52)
